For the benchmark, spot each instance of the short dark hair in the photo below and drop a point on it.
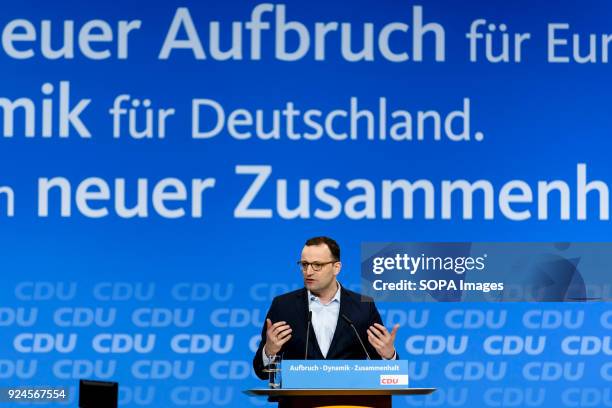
(331, 244)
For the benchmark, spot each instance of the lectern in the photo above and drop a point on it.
(334, 397)
(339, 383)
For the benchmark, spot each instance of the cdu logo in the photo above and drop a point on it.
(514, 397)
(238, 317)
(162, 317)
(18, 316)
(200, 292)
(414, 319)
(45, 290)
(84, 317)
(432, 345)
(136, 395)
(553, 319)
(586, 345)
(202, 343)
(393, 379)
(443, 397)
(123, 291)
(123, 343)
(475, 370)
(21, 369)
(71, 369)
(553, 371)
(162, 369)
(475, 319)
(201, 396)
(45, 343)
(513, 345)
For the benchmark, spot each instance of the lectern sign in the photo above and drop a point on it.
(378, 374)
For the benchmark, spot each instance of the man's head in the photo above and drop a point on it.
(320, 264)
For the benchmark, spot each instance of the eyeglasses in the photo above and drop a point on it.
(316, 266)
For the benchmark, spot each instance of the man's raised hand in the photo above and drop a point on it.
(277, 334)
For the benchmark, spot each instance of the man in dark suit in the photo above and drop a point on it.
(333, 308)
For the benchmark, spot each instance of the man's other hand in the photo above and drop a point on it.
(383, 341)
(277, 334)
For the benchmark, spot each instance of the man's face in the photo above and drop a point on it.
(318, 281)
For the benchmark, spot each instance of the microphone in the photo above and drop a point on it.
(350, 322)
(308, 334)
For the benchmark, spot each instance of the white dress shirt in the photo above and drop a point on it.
(324, 319)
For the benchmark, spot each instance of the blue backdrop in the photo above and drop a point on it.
(172, 307)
